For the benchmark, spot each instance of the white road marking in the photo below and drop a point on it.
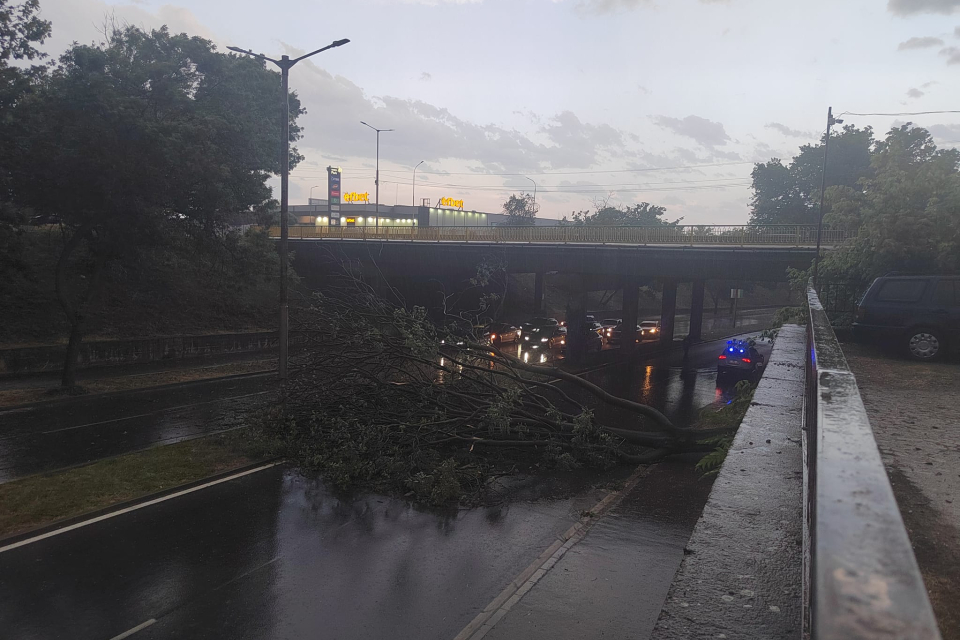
(528, 578)
(130, 632)
(146, 415)
(135, 507)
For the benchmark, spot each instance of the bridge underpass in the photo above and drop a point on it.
(595, 265)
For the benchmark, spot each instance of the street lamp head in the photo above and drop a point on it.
(340, 43)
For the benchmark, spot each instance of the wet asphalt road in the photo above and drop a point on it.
(274, 555)
(79, 430)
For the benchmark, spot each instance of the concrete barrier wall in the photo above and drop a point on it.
(113, 352)
(741, 577)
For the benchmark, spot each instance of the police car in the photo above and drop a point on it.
(740, 357)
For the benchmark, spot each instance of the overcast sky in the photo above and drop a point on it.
(591, 99)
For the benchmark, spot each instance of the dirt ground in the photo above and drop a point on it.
(915, 415)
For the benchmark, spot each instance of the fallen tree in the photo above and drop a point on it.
(385, 398)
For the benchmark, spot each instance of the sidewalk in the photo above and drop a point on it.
(915, 417)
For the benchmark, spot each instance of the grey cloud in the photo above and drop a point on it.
(425, 76)
(912, 7)
(787, 131)
(705, 132)
(608, 6)
(945, 132)
(924, 42)
(927, 85)
(956, 31)
(915, 93)
(335, 106)
(952, 53)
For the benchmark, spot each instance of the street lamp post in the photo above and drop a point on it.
(311, 191)
(285, 63)
(823, 185)
(377, 179)
(414, 198)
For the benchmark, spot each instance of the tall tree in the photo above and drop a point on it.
(907, 214)
(146, 137)
(790, 194)
(521, 211)
(638, 215)
(20, 30)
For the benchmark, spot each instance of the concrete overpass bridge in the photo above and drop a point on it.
(604, 258)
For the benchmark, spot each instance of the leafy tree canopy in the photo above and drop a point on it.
(907, 211)
(139, 141)
(521, 211)
(790, 193)
(20, 30)
(638, 215)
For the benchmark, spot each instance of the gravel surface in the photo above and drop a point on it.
(915, 414)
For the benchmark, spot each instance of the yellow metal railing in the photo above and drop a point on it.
(783, 235)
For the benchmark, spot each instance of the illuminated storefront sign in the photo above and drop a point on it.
(333, 195)
(450, 202)
(356, 197)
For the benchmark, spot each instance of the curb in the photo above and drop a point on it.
(126, 504)
(66, 400)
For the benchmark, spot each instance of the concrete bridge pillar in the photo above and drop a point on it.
(696, 310)
(668, 311)
(538, 292)
(631, 299)
(576, 315)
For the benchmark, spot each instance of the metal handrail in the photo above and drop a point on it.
(861, 579)
(743, 235)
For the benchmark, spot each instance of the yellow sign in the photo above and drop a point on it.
(450, 202)
(356, 197)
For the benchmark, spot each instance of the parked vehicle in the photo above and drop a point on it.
(649, 330)
(739, 357)
(919, 314)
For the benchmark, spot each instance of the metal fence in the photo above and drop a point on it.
(861, 580)
(742, 235)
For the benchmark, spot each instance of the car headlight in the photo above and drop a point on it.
(562, 341)
(543, 339)
(526, 337)
(493, 336)
(653, 330)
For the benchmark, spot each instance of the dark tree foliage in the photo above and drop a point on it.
(790, 194)
(146, 137)
(906, 212)
(638, 215)
(521, 211)
(20, 30)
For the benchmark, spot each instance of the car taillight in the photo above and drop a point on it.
(722, 357)
(747, 360)
(493, 336)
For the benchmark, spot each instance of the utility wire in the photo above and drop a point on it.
(914, 113)
(574, 173)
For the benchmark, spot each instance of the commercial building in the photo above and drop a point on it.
(359, 212)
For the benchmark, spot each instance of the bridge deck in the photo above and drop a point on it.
(666, 236)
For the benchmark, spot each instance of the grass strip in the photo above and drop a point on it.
(41, 499)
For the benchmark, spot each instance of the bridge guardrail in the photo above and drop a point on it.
(861, 579)
(778, 235)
